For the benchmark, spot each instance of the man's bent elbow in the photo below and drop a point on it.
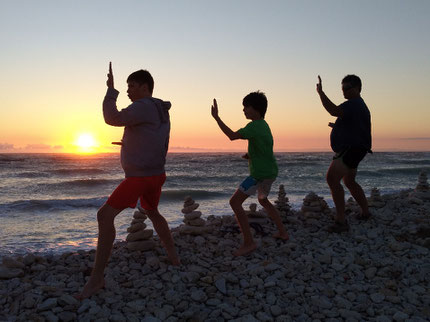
(234, 136)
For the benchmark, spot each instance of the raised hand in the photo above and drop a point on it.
(319, 85)
(109, 81)
(214, 109)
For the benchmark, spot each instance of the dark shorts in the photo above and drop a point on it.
(352, 156)
(147, 189)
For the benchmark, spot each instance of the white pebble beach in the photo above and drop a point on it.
(378, 271)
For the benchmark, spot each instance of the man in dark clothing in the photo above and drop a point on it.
(351, 140)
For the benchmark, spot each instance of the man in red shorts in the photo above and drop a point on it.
(351, 140)
(143, 156)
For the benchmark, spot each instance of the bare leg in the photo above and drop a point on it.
(356, 191)
(236, 202)
(335, 173)
(105, 218)
(163, 231)
(274, 215)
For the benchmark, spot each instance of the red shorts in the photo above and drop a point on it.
(148, 189)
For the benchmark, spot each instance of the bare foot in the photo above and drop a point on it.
(90, 288)
(283, 236)
(245, 250)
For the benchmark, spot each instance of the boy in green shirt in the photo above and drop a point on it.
(262, 166)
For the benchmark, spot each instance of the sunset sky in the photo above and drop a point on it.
(55, 56)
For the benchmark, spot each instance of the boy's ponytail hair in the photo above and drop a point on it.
(257, 100)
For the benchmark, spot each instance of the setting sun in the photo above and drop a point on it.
(86, 143)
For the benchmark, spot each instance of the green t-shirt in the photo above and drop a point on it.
(262, 162)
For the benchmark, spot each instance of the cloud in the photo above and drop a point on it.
(187, 148)
(6, 147)
(416, 139)
(37, 147)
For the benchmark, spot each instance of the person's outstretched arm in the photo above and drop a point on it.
(227, 131)
(332, 108)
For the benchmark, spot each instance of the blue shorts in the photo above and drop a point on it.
(251, 185)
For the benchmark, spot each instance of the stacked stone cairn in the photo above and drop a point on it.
(375, 200)
(255, 216)
(422, 190)
(194, 225)
(313, 206)
(139, 238)
(282, 204)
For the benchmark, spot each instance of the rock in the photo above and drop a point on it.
(140, 238)
(313, 206)
(67, 316)
(379, 272)
(322, 302)
(142, 245)
(375, 200)
(198, 222)
(136, 227)
(282, 203)
(276, 310)
(193, 230)
(10, 262)
(370, 272)
(377, 297)
(140, 214)
(8, 273)
(198, 296)
(140, 235)
(194, 225)
(199, 240)
(400, 316)
(29, 259)
(262, 316)
(188, 209)
(29, 301)
(47, 304)
(67, 299)
(193, 215)
(220, 285)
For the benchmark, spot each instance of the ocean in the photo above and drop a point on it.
(48, 202)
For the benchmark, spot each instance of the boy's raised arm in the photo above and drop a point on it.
(109, 81)
(227, 131)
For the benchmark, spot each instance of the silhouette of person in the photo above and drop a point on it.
(351, 140)
(143, 156)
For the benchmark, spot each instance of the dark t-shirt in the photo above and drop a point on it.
(353, 128)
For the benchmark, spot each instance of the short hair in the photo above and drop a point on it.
(354, 80)
(257, 100)
(142, 77)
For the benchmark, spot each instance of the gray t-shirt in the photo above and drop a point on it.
(145, 141)
(353, 129)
